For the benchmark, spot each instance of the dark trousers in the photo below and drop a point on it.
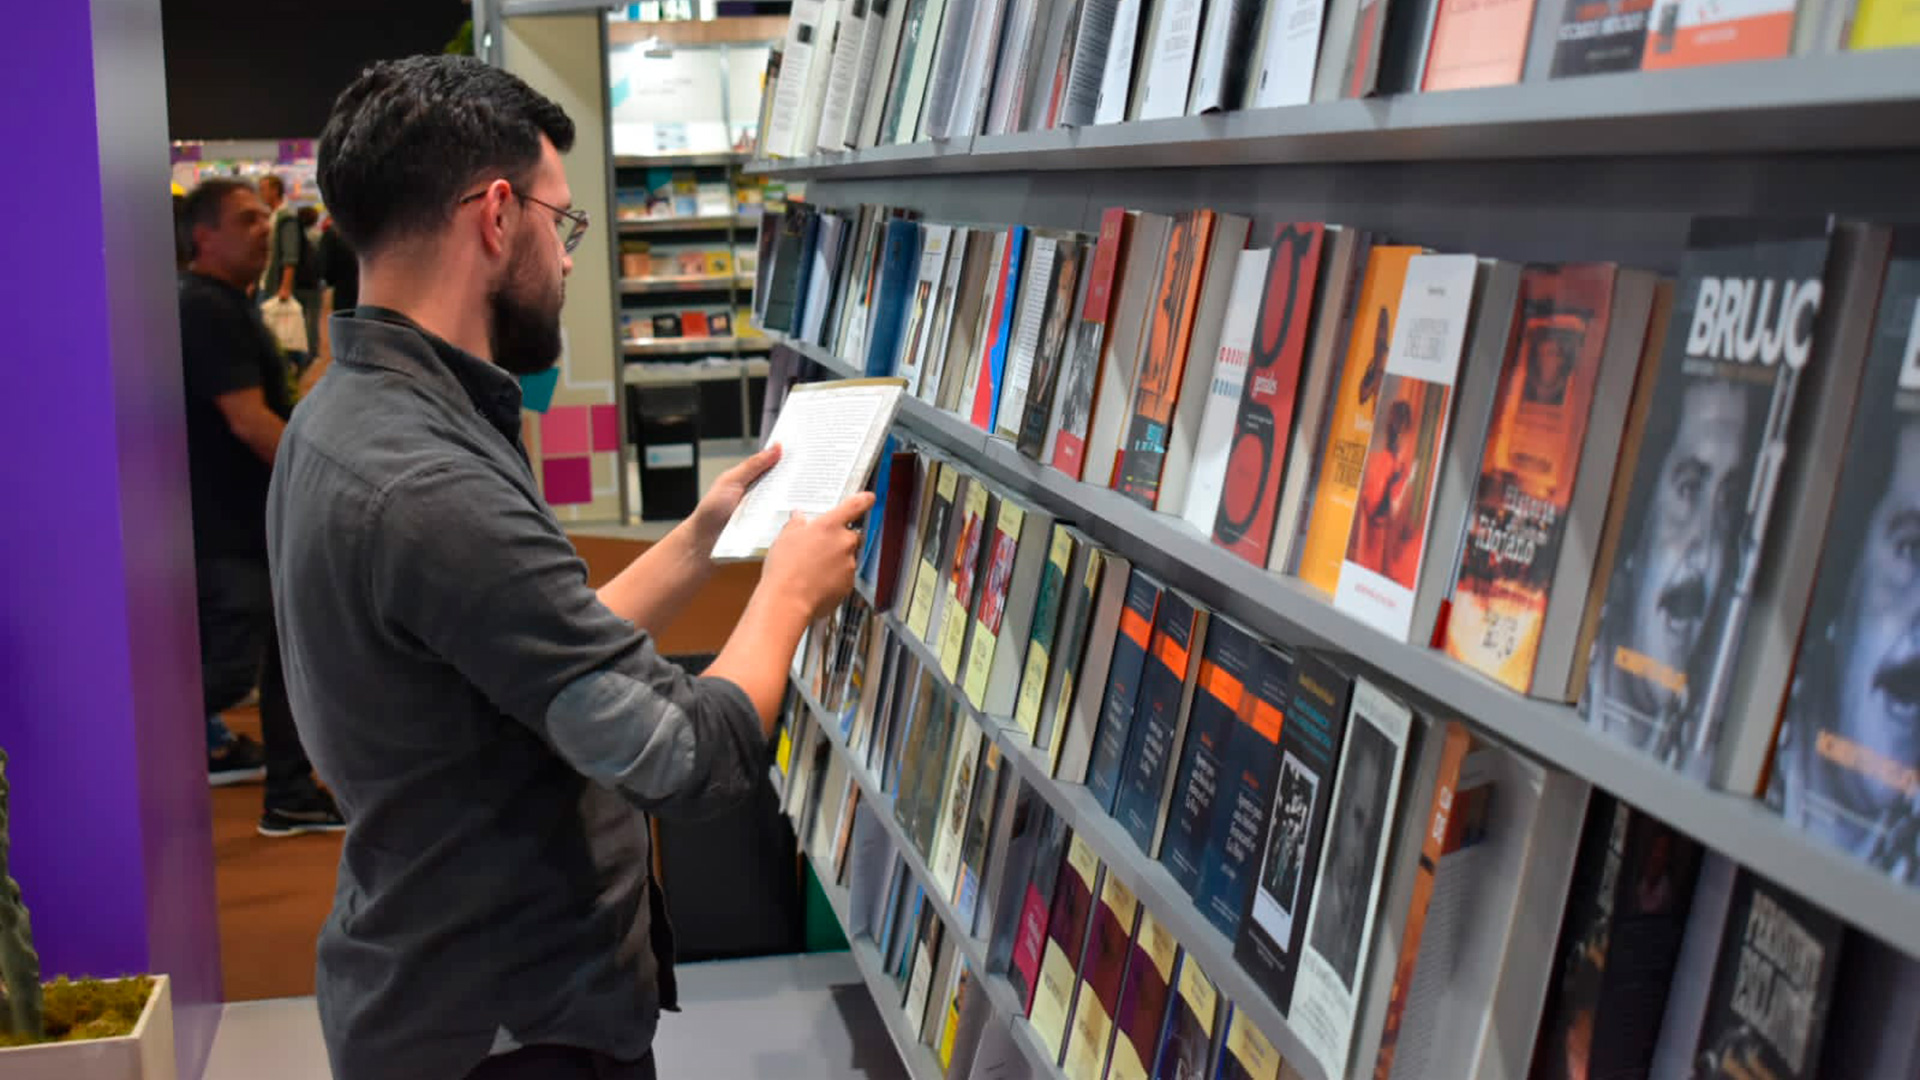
(238, 644)
(561, 1063)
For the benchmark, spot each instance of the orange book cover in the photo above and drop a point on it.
(1527, 471)
(1443, 835)
(1350, 425)
(1691, 33)
(1478, 43)
(1163, 361)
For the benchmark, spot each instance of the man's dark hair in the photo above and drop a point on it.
(409, 137)
(272, 180)
(203, 206)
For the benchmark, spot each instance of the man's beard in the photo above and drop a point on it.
(522, 333)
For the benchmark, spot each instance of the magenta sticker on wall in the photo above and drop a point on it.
(569, 480)
(564, 431)
(606, 429)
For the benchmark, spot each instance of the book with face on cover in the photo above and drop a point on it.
(830, 436)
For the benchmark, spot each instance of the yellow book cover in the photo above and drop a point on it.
(927, 576)
(1102, 973)
(1066, 934)
(1033, 677)
(960, 581)
(1350, 425)
(1885, 24)
(1250, 1051)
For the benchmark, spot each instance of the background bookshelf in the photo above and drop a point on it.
(1605, 168)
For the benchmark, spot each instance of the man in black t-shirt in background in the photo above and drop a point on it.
(238, 401)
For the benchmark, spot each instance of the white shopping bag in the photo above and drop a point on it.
(287, 322)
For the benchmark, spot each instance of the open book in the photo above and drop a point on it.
(830, 434)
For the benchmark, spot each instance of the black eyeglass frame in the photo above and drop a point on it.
(577, 218)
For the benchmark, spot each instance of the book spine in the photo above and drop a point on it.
(1130, 650)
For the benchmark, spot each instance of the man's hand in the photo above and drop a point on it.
(812, 562)
(717, 506)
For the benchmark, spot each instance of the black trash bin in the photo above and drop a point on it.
(665, 421)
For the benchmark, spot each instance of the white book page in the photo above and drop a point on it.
(1285, 65)
(1036, 284)
(1224, 389)
(829, 435)
(1116, 84)
(1169, 73)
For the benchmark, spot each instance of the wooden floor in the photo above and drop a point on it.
(274, 894)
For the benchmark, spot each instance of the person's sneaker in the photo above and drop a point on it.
(240, 761)
(314, 812)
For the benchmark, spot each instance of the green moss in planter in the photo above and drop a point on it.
(89, 1009)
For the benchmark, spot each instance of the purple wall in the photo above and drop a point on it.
(99, 688)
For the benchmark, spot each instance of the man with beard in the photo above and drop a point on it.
(1858, 701)
(496, 730)
(1665, 597)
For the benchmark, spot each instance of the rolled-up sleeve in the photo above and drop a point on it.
(468, 568)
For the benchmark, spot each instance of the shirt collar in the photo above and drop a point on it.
(494, 393)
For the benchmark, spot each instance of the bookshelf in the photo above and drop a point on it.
(1847, 101)
(973, 949)
(687, 223)
(1738, 827)
(673, 285)
(919, 1061)
(685, 346)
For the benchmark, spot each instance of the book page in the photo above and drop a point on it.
(829, 435)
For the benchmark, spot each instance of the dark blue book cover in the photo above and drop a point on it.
(1010, 303)
(870, 546)
(1193, 1018)
(899, 263)
(804, 281)
(1245, 797)
(1123, 687)
(1159, 719)
(1273, 934)
(1226, 665)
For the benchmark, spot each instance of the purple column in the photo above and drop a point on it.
(99, 683)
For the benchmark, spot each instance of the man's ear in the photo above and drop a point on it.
(495, 218)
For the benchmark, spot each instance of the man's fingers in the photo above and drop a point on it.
(850, 510)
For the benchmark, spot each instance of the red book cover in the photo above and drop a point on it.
(694, 324)
(984, 390)
(1263, 430)
(1080, 378)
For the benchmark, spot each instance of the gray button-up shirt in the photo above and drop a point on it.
(491, 730)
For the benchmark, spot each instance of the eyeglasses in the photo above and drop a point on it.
(570, 226)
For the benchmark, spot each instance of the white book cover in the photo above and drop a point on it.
(1408, 446)
(920, 306)
(955, 805)
(1346, 892)
(1087, 66)
(950, 56)
(847, 46)
(1215, 441)
(1116, 80)
(796, 66)
(879, 25)
(975, 77)
(830, 435)
(1219, 271)
(1036, 285)
(1283, 65)
(921, 66)
(872, 94)
(1168, 72)
(1222, 55)
(819, 72)
(933, 365)
(1010, 75)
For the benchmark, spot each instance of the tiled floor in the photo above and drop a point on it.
(779, 1018)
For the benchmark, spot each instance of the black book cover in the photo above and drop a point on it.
(1693, 538)
(1620, 941)
(1772, 986)
(1848, 748)
(1226, 665)
(1048, 358)
(1117, 708)
(1227, 863)
(1155, 741)
(666, 325)
(784, 280)
(1598, 36)
(806, 281)
(1273, 932)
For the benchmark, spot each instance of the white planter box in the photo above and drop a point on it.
(147, 1054)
